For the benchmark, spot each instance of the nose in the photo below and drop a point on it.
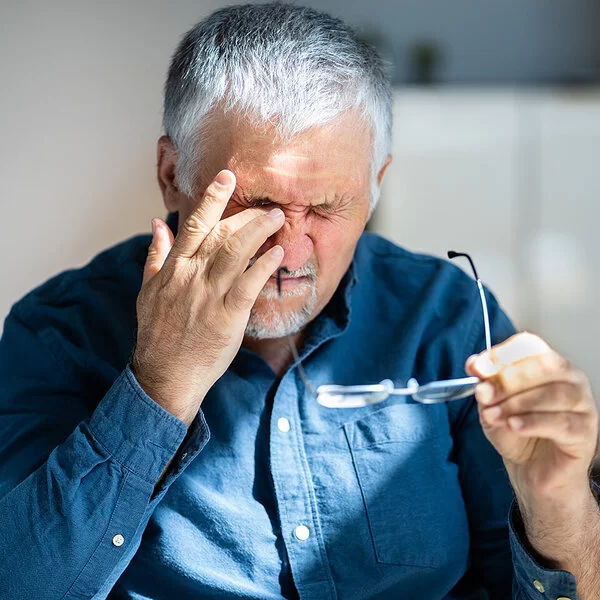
(294, 239)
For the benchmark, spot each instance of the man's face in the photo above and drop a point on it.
(321, 181)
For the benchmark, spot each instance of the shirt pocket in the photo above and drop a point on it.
(410, 490)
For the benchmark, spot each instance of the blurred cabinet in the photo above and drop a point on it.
(565, 240)
(512, 177)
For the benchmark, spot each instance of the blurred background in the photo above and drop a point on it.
(496, 147)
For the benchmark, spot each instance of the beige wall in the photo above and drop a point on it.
(510, 176)
(80, 110)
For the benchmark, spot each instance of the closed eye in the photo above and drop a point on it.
(324, 209)
(260, 202)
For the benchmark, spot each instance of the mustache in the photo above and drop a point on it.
(308, 269)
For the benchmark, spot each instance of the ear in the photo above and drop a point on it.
(381, 173)
(166, 161)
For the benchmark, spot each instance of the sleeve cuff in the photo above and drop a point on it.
(529, 573)
(140, 434)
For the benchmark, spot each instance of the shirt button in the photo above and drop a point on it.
(563, 598)
(118, 540)
(283, 425)
(302, 532)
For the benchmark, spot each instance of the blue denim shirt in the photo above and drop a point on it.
(396, 500)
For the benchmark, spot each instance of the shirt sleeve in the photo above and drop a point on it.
(532, 581)
(76, 479)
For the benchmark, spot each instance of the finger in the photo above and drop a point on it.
(530, 373)
(563, 427)
(162, 240)
(517, 347)
(244, 292)
(552, 398)
(205, 215)
(232, 258)
(227, 227)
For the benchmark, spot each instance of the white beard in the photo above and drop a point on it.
(275, 321)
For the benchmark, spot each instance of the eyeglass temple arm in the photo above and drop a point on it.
(486, 319)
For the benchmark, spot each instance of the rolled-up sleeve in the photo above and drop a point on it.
(531, 580)
(76, 478)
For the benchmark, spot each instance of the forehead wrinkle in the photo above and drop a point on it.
(290, 192)
(309, 175)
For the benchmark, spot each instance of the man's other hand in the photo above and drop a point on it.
(538, 412)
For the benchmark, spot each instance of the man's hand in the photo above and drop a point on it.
(538, 412)
(196, 296)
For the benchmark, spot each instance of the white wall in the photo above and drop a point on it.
(80, 112)
(511, 177)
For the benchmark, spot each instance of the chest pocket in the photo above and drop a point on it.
(410, 490)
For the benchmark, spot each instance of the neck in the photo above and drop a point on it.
(276, 352)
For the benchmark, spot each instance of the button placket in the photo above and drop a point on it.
(293, 489)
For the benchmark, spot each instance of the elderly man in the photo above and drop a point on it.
(277, 122)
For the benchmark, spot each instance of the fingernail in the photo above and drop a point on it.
(223, 178)
(493, 413)
(277, 252)
(485, 366)
(485, 392)
(276, 213)
(153, 227)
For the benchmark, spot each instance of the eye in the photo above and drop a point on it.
(322, 210)
(262, 203)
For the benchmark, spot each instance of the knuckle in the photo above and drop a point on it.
(568, 424)
(214, 192)
(240, 300)
(152, 256)
(233, 246)
(578, 378)
(554, 363)
(194, 224)
(566, 395)
(527, 344)
(562, 363)
(223, 230)
(504, 380)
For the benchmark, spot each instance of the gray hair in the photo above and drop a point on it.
(274, 63)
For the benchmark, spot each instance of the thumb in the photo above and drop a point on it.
(162, 240)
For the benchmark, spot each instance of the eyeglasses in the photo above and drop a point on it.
(357, 396)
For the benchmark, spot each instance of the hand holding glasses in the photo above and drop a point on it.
(357, 396)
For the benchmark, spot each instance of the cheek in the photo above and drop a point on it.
(333, 245)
